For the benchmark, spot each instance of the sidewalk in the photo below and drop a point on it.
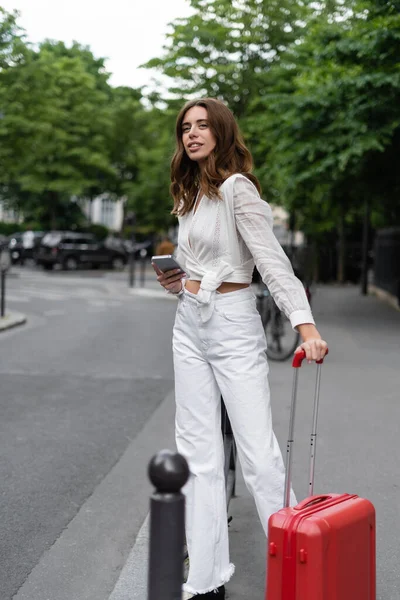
(358, 443)
(11, 319)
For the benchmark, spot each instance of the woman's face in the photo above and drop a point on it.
(197, 137)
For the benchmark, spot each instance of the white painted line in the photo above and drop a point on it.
(46, 294)
(53, 313)
(97, 303)
(11, 298)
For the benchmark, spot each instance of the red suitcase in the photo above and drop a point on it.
(323, 548)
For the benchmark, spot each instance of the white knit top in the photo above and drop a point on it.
(224, 238)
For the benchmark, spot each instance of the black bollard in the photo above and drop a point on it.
(132, 261)
(168, 472)
(5, 264)
(3, 294)
(143, 255)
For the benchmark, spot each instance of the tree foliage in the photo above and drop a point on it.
(315, 87)
(225, 46)
(13, 47)
(332, 118)
(50, 142)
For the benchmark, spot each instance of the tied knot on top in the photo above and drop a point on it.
(208, 287)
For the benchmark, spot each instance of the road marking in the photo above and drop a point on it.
(10, 298)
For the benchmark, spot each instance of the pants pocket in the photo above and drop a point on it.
(238, 312)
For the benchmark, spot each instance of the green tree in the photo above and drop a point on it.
(54, 132)
(331, 127)
(125, 136)
(149, 194)
(13, 51)
(13, 46)
(93, 65)
(224, 48)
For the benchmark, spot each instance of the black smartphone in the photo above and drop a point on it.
(166, 262)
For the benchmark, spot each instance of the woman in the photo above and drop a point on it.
(219, 345)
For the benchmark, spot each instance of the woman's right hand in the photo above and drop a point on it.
(170, 280)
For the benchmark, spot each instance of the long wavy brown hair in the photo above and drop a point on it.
(229, 156)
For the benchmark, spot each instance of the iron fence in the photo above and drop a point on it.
(387, 260)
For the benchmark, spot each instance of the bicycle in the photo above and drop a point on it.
(282, 339)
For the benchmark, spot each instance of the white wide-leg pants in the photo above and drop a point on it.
(225, 355)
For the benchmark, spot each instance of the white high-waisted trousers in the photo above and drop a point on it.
(225, 355)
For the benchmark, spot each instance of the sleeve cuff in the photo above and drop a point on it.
(299, 317)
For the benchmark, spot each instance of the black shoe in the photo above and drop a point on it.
(218, 594)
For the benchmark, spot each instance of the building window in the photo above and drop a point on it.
(107, 212)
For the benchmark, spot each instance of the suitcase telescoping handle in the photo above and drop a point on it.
(297, 362)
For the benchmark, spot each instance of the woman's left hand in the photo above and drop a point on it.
(313, 345)
(315, 349)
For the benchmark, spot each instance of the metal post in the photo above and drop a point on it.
(365, 244)
(143, 255)
(3, 293)
(132, 263)
(288, 476)
(131, 220)
(314, 432)
(168, 472)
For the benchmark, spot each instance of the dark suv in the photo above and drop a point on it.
(72, 250)
(24, 245)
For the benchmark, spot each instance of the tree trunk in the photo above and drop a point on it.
(315, 262)
(341, 254)
(90, 211)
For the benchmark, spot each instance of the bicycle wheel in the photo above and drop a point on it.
(282, 339)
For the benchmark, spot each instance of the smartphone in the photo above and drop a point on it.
(166, 262)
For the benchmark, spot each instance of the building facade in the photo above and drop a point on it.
(8, 215)
(105, 211)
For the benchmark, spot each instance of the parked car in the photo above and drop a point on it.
(24, 245)
(15, 247)
(141, 249)
(73, 250)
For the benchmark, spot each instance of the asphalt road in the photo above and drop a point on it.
(78, 383)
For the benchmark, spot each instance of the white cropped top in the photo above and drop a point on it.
(225, 238)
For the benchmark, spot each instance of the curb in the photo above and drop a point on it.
(11, 320)
(384, 296)
(132, 582)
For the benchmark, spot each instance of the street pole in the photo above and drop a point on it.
(132, 265)
(143, 255)
(131, 220)
(3, 293)
(168, 472)
(365, 243)
(5, 263)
